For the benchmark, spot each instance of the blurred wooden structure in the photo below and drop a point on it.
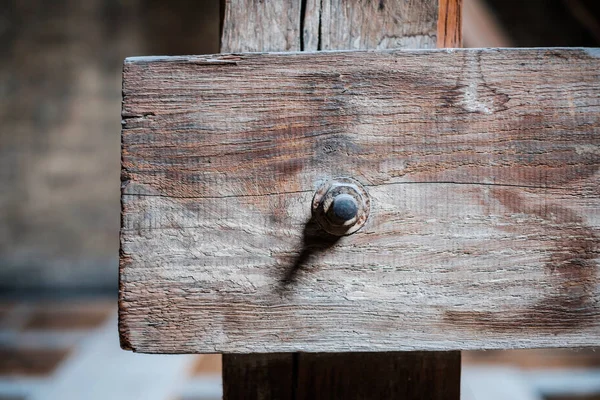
(495, 153)
(60, 79)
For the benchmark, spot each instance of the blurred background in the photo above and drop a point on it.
(60, 98)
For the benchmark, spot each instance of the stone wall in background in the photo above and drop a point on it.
(60, 98)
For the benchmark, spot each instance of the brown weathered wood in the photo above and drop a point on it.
(326, 24)
(482, 166)
(253, 25)
(258, 25)
(382, 24)
(406, 375)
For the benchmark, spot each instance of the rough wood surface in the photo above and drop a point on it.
(359, 24)
(348, 376)
(482, 166)
(259, 25)
(340, 25)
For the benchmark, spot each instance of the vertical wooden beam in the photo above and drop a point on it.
(377, 24)
(261, 25)
(311, 25)
(449, 27)
(407, 376)
(259, 376)
(293, 25)
(396, 375)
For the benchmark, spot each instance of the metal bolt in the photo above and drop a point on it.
(341, 206)
(344, 207)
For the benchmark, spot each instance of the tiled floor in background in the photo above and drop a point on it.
(69, 350)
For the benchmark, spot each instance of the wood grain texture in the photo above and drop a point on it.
(253, 25)
(449, 24)
(259, 25)
(482, 167)
(302, 376)
(361, 24)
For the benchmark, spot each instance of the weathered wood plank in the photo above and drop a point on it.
(258, 25)
(304, 376)
(382, 24)
(340, 25)
(482, 167)
(361, 20)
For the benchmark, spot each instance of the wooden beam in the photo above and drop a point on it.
(449, 27)
(340, 25)
(257, 25)
(482, 168)
(382, 24)
(259, 376)
(406, 375)
(331, 25)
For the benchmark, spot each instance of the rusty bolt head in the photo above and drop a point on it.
(341, 206)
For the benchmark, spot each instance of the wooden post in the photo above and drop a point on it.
(397, 375)
(309, 25)
(479, 168)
